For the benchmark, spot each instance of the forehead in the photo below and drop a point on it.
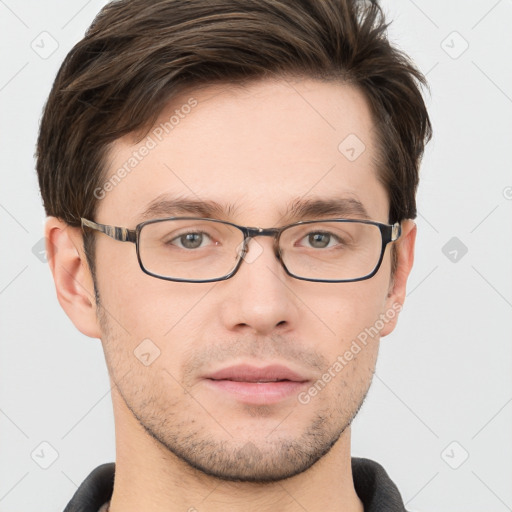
(254, 150)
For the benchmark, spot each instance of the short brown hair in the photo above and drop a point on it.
(137, 55)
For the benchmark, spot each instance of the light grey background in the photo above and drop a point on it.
(442, 389)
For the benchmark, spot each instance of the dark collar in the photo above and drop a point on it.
(371, 482)
(374, 487)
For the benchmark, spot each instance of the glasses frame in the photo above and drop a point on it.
(389, 233)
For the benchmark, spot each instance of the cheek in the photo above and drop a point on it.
(350, 308)
(351, 311)
(142, 305)
(150, 321)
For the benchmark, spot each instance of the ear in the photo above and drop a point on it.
(404, 248)
(71, 274)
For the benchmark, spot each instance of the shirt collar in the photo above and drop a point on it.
(372, 484)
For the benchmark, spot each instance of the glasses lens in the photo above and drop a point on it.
(333, 250)
(191, 249)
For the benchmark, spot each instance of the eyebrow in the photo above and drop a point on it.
(298, 209)
(344, 207)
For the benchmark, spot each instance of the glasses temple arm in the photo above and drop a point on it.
(115, 232)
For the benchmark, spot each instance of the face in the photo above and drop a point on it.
(255, 151)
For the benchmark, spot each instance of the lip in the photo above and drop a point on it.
(248, 373)
(257, 385)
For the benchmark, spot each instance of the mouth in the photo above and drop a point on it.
(253, 385)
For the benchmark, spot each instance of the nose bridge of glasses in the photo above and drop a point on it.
(252, 232)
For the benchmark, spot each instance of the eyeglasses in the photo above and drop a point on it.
(199, 250)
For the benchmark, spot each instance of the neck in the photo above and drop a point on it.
(150, 478)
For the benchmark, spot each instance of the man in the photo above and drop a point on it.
(230, 188)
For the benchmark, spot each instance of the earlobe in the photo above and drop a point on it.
(405, 258)
(71, 274)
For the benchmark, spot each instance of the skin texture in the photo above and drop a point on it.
(182, 445)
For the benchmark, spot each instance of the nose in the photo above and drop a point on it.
(259, 297)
